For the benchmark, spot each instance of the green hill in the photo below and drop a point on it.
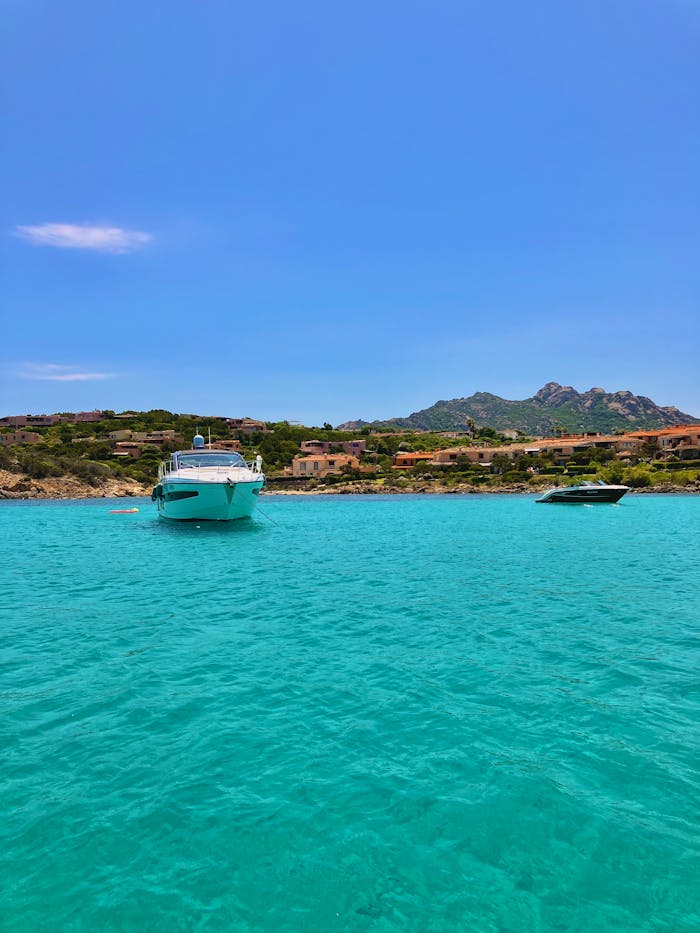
(554, 406)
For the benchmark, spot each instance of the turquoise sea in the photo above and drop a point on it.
(351, 713)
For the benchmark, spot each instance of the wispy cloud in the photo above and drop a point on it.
(52, 372)
(115, 240)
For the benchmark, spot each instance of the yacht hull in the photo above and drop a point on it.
(586, 494)
(199, 501)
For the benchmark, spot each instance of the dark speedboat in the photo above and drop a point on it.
(585, 492)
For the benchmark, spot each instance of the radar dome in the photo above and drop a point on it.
(198, 442)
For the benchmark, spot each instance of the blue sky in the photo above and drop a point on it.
(322, 211)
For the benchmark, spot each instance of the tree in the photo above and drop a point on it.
(523, 462)
(637, 477)
(613, 473)
(500, 462)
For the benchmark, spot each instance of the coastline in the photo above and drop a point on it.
(517, 489)
(19, 486)
(14, 486)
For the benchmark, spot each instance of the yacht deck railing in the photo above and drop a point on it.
(166, 467)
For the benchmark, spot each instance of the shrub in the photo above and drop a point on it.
(39, 467)
(89, 471)
(7, 461)
(613, 473)
(677, 477)
(637, 477)
(515, 476)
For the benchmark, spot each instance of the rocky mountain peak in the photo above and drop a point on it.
(554, 405)
(554, 394)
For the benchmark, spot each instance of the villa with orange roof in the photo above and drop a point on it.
(411, 458)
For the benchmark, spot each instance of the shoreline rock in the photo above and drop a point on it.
(18, 486)
(360, 488)
(14, 486)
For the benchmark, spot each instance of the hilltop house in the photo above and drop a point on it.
(411, 458)
(131, 443)
(29, 421)
(147, 437)
(682, 441)
(20, 437)
(246, 426)
(353, 448)
(321, 465)
(230, 443)
(127, 449)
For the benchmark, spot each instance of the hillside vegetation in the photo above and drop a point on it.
(79, 459)
(86, 450)
(554, 407)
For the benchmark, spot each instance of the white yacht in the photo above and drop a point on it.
(207, 484)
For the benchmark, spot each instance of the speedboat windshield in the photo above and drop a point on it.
(210, 458)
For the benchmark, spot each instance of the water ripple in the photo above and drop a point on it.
(376, 713)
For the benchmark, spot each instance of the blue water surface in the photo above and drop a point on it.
(351, 713)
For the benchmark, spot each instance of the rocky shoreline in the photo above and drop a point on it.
(19, 486)
(371, 489)
(364, 489)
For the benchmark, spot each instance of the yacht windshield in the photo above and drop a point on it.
(210, 458)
